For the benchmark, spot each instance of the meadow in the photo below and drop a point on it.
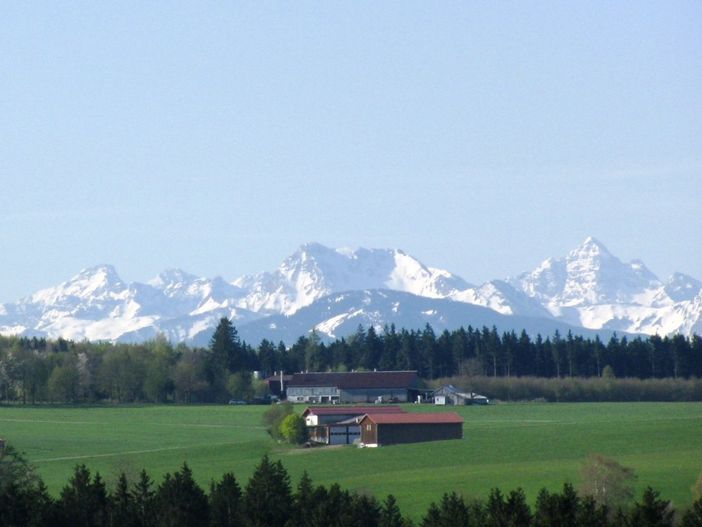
(505, 445)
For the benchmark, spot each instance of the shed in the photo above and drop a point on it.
(389, 429)
(449, 394)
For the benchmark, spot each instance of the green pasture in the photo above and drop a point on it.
(505, 445)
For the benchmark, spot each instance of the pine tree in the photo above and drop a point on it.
(517, 510)
(390, 515)
(568, 505)
(26, 506)
(226, 347)
(122, 511)
(590, 515)
(433, 517)
(83, 503)
(454, 511)
(268, 498)
(225, 502)
(142, 495)
(303, 501)
(363, 510)
(180, 502)
(652, 511)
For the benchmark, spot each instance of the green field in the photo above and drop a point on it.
(505, 445)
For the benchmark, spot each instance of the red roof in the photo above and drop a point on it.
(352, 410)
(357, 380)
(415, 418)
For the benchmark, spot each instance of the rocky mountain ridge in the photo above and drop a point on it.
(589, 288)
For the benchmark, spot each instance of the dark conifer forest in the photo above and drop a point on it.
(269, 499)
(36, 370)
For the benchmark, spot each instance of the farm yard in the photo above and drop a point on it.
(504, 445)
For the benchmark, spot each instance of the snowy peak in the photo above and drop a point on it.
(592, 288)
(315, 271)
(588, 287)
(590, 249)
(93, 282)
(588, 275)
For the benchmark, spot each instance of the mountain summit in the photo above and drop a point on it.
(333, 290)
(588, 275)
(592, 288)
(315, 271)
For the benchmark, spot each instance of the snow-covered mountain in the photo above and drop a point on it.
(97, 305)
(315, 271)
(594, 289)
(341, 314)
(335, 290)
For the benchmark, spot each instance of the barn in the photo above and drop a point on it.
(339, 425)
(353, 387)
(390, 429)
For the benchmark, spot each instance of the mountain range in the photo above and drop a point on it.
(589, 291)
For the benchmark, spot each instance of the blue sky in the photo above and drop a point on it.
(481, 137)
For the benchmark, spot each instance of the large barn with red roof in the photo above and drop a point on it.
(390, 429)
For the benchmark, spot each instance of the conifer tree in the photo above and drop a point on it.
(433, 517)
(390, 515)
(180, 502)
(226, 347)
(590, 514)
(225, 502)
(268, 498)
(83, 502)
(652, 511)
(363, 510)
(122, 511)
(517, 510)
(303, 501)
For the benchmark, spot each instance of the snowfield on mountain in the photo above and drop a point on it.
(334, 290)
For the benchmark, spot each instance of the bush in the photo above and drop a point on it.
(579, 389)
(273, 417)
(293, 429)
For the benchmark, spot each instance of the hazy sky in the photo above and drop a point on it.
(481, 137)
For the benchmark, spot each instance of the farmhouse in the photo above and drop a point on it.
(353, 387)
(339, 425)
(390, 429)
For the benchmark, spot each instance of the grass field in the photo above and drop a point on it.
(510, 445)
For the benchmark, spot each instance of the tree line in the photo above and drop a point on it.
(269, 500)
(43, 370)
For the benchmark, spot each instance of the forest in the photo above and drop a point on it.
(36, 370)
(269, 499)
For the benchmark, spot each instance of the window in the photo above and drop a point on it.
(368, 427)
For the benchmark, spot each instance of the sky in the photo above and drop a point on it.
(217, 137)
